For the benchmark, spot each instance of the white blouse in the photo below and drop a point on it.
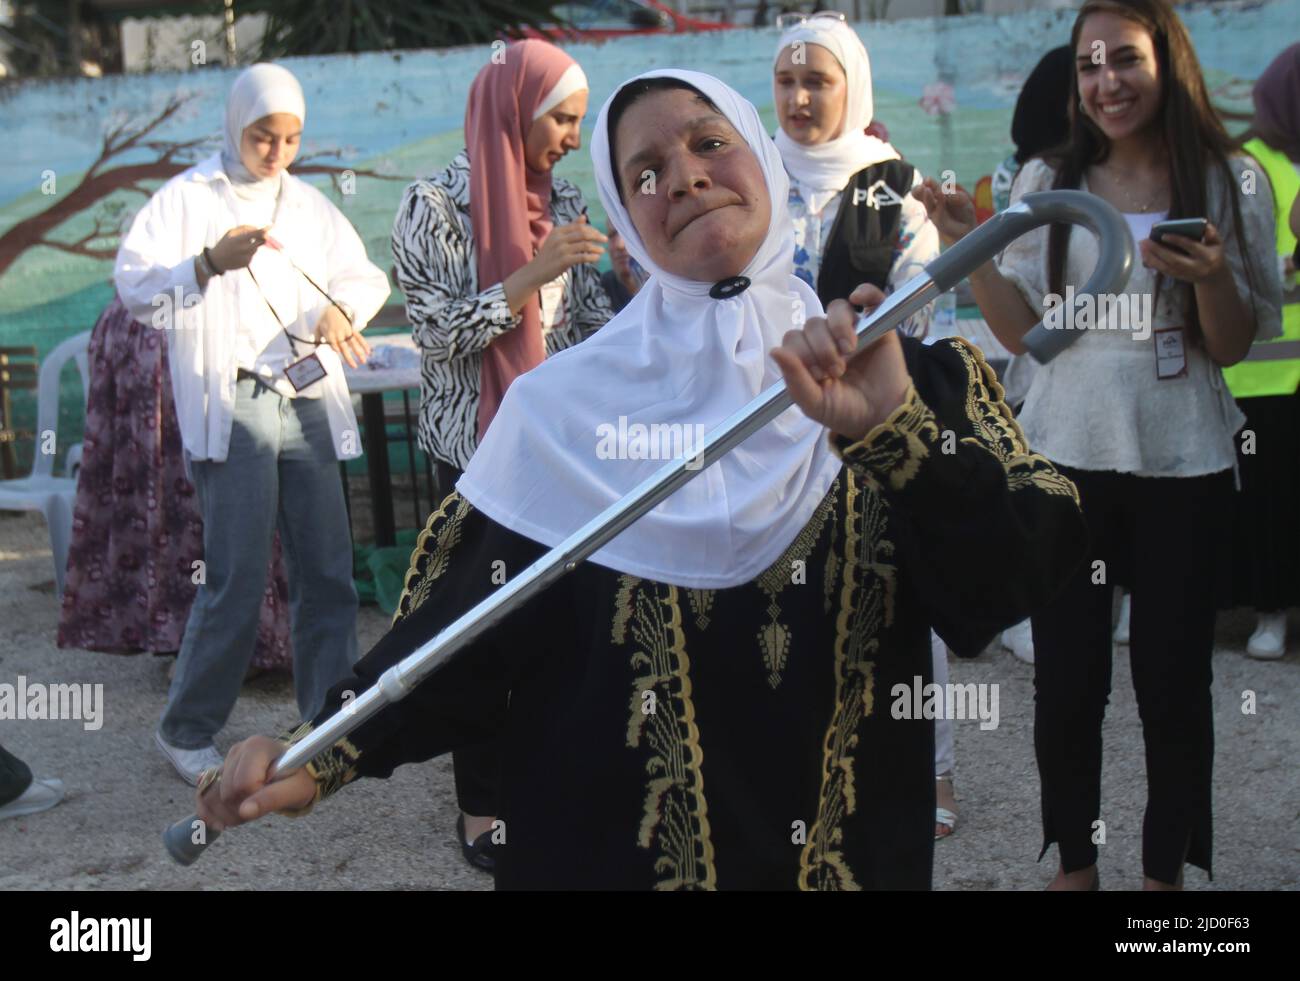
(261, 347)
(1098, 404)
(156, 281)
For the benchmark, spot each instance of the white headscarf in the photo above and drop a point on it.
(259, 91)
(676, 357)
(573, 80)
(824, 169)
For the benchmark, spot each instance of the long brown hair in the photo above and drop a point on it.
(1187, 122)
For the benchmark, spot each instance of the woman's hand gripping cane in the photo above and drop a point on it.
(240, 792)
(848, 393)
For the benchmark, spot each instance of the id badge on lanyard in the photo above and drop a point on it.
(1171, 353)
(305, 372)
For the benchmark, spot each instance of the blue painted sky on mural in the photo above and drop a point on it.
(367, 105)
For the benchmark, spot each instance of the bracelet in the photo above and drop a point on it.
(209, 265)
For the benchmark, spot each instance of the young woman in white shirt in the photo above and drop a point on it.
(1147, 439)
(261, 287)
(854, 218)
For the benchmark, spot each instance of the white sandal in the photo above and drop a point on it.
(948, 819)
(943, 816)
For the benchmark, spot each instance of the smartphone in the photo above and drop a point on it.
(1187, 227)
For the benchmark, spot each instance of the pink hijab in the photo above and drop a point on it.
(502, 102)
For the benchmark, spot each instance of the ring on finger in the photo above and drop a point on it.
(208, 779)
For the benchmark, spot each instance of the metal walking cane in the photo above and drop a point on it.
(1034, 210)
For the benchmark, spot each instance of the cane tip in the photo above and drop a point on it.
(186, 840)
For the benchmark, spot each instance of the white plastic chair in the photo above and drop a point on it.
(41, 490)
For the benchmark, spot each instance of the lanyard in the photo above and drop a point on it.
(275, 215)
(292, 346)
(333, 302)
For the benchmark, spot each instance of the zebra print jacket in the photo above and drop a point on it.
(453, 318)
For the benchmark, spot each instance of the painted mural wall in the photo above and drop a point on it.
(80, 157)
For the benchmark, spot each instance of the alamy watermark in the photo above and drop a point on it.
(950, 701)
(102, 934)
(656, 441)
(22, 702)
(175, 310)
(1102, 311)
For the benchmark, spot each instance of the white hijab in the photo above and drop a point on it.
(678, 357)
(822, 170)
(259, 91)
(573, 80)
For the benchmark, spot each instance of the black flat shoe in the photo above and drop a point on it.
(481, 852)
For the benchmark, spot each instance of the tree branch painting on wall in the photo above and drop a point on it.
(101, 181)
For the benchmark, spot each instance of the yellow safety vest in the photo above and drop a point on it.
(1273, 367)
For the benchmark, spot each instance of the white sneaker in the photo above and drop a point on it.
(1125, 614)
(1268, 642)
(40, 796)
(1019, 640)
(189, 763)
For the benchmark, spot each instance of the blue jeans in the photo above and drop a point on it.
(280, 471)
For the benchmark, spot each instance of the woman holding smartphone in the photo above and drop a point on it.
(1137, 414)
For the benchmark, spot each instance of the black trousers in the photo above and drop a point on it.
(1163, 537)
(477, 768)
(15, 777)
(1264, 570)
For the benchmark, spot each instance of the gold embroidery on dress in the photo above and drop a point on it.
(701, 601)
(832, 572)
(866, 607)
(899, 445)
(428, 563)
(627, 586)
(675, 819)
(998, 432)
(774, 637)
(829, 579)
(332, 768)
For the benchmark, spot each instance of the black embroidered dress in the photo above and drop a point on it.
(664, 737)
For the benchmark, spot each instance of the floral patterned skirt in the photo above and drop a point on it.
(137, 532)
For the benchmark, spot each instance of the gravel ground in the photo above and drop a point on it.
(398, 834)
